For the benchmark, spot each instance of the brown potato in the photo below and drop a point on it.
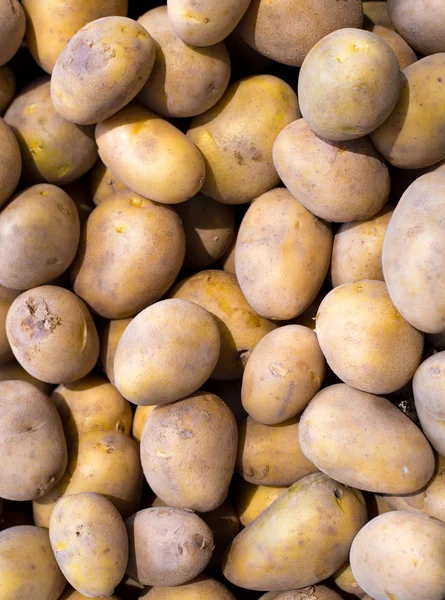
(13, 370)
(405, 54)
(109, 335)
(12, 29)
(7, 87)
(422, 29)
(103, 183)
(10, 162)
(202, 588)
(252, 500)
(7, 297)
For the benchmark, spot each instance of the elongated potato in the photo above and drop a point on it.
(12, 29)
(13, 370)
(109, 335)
(252, 500)
(10, 162)
(7, 87)
(203, 587)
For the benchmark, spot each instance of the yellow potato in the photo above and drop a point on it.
(376, 13)
(13, 370)
(252, 500)
(314, 592)
(405, 54)
(345, 580)
(12, 28)
(103, 183)
(10, 163)
(70, 594)
(7, 87)
(428, 388)
(7, 297)
(109, 335)
(201, 588)
(140, 418)
(228, 260)
(422, 29)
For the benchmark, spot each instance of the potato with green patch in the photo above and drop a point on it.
(12, 28)
(10, 162)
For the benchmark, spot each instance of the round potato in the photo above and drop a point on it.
(314, 592)
(421, 24)
(90, 543)
(12, 28)
(348, 84)
(10, 162)
(236, 137)
(140, 418)
(103, 183)
(32, 445)
(282, 255)
(7, 87)
(203, 587)
(52, 334)
(182, 337)
(132, 239)
(372, 445)
(376, 13)
(428, 388)
(240, 327)
(7, 297)
(345, 580)
(13, 370)
(150, 155)
(339, 182)
(404, 53)
(252, 500)
(109, 335)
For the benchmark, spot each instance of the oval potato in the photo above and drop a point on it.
(12, 29)
(422, 29)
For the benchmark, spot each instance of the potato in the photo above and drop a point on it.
(420, 24)
(7, 297)
(188, 452)
(109, 335)
(339, 182)
(182, 337)
(236, 137)
(228, 260)
(282, 255)
(229, 390)
(51, 25)
(90, 543)
(285, 370)
(401, 140)
(404, 53)
(428, 386)
(133, 239)
(365, 340)
(376, 13)
(314, 592)
(357, 249)
(301, 539)
(13, 370)
(101, 69)
(103, 183)
(240, 327)
(7, 87)
(413, 251)
(202, 588)
(252, 500)
(385, 551)
(52, 334)
(345, 580)
(286, 31)
(12, 28)
(348, 84)
(372, 445)
(28, 568)
(150, 155)
(186, 80)
(70, 594)
(140, 418)
(10, 162)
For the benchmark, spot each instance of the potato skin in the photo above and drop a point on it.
(282, 255)
(404, 53)
(339, 182)
(28, 568)
(7, 87)
(110, 335)
(345, 580)
(306, 524)
(70, 594)
(376, 13)
(428, 385)
(423, 30)
(101, 69)
(252, 500)
(7, 297)
(12, 29)
(348, 84)
(103, 183)
(314, 592)
(12, 370)
(141, 415)
(10, 162)
(202, 587)
(236, 137)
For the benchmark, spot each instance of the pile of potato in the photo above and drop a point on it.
(222, 300)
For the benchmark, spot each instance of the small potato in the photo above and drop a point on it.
(201, 588)
(376, 13)
(10, 162)
(428, 388)
(150, 155)
(12, 28)
(7, 297)
(182, 337)
(345, 580)
(404, 53)
(339, 182)
(40, 233)
(282, 255)
(301, 539)
(386, 552)
(186, 80)
(188, 452)
(357, 249)
(236, 137)
(127, 238)
(421, 24)
(90, 543)
(285, 370)
(314, 592)
(70, 594)
(372, 445)
(348, 84)
(13, 370)
(101, 69)
(103, 183)
(252, 500)
(110, 335)
(28, 568)
(140, 418)
(7, 87)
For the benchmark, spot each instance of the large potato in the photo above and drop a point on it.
(12, 28)
(372, 445)
(338, 182)
(236, 137)
(252, 500)
(387, 551)
(405, 54)
(186, 81)
(202, 588)
(10, 162)
(421, 24)
(182, 337)
(13, 370)
(127, 239)
(428, 388)
(314, 592)
(282, 255)
(150, 155)
(110, 335)
(301, 539)
(240, 327)
(348, 84)
(7, 87)
(188, 452)
(7, 297)
(103, 183)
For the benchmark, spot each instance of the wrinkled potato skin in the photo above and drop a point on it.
(12, 29)
(422, 29)
(51, 25)
(339, 182)
(28, 568)
(236, 137)
(405, 54)
(252, 500)
(305, 524)
(202, 588)
(193, 464)
(271, 454)
(7, 87)
(376, 13)
(13, 370)
(103, 183)
(345, 580)
(281, 246)
(358, 452)
(109, 336)
(7, 297)
(10, 162)
(314, 592)
(428, 388)
(240, 327)
(140, 418)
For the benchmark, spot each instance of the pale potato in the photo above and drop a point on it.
(428, 386)
(314, 592)
(419, 23)
(13, 370)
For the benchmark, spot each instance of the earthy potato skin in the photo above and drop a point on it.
(101, 69)
(191, 464)
(7, 297)
(109, 336)
(339, 182)
(405, 54)
(7, 87)
(103, 183)
(306, 524)
(422, 29)
(428, 386)
(52, 334)
(202, 587)
(285, 30)
(28, 568)
(51, 26)
(314, 592)
(12, 29)
(10, 162)
(252, 500)
(358, 452)
(236, 137)
(13, 370)
(132, 238)
(150, 155)
(282, 255)
(348, 98)
(185, 81)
